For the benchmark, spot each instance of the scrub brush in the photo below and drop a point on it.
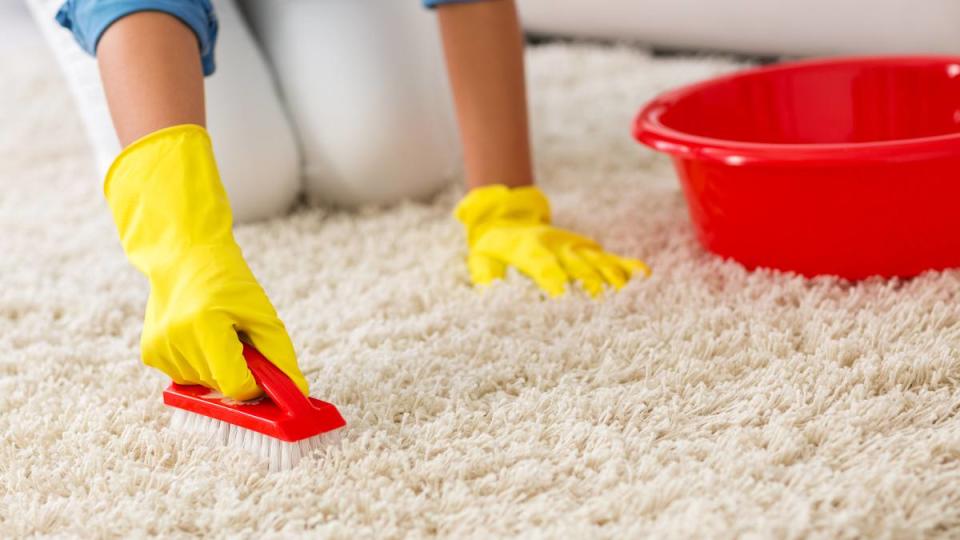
(280, 427)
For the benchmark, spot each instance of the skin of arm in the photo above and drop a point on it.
(483, 46)
(152, 75)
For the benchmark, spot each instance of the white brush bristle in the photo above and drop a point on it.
(278, 455)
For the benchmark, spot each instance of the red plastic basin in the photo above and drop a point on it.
(846, 166)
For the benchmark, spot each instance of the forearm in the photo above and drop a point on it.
(484, 52)
(152, 74)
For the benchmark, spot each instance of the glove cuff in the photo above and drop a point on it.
(166, 195)
(500, 204)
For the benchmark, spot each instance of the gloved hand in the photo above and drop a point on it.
(175, 224)
(512, 227)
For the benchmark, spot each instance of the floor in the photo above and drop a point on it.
(707, 401)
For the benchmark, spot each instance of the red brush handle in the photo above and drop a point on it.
(275, 383)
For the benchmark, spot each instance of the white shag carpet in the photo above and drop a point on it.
(704, 402)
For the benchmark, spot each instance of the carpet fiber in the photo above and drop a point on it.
(705, 401)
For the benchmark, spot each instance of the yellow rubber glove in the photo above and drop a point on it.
(512, 227)
(175, 225)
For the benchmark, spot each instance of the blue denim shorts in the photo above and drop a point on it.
(89, 19)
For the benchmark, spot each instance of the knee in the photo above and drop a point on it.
(255, 146)
(381, 139)
(261, 176)
(373, 116)
(384, 163)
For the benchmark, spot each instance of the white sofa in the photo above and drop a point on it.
(762, 27)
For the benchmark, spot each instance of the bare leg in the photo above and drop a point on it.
(152, 76)
(484, 51)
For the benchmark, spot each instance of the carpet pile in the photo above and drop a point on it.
(706, 401)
